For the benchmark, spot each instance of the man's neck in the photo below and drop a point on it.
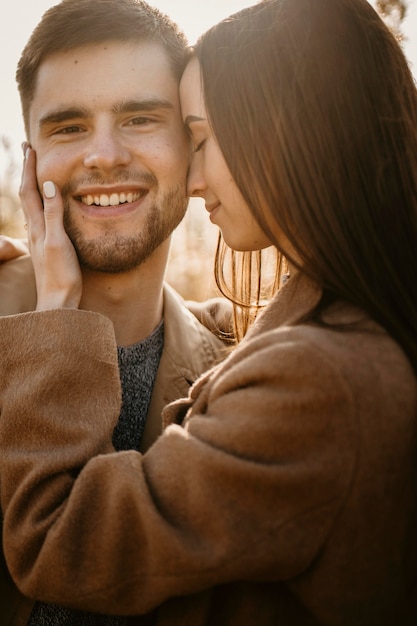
(133, 301)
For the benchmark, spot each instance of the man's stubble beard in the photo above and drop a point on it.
(114, 253)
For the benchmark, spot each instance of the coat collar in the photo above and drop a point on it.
(296, 298)
(189, 350)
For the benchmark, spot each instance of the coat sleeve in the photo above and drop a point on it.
(247, 488)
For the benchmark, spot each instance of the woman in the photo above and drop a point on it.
(285, 489)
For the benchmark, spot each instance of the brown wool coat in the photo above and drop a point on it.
(189, 349)
(287, 498)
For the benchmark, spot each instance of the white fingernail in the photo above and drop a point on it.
(49, 189)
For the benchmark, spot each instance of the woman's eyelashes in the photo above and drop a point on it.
(200, 145)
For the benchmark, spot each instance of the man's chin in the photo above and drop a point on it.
(120, 255)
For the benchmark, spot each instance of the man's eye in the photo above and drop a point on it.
(200, 145)
(68, 130)
(140, 121)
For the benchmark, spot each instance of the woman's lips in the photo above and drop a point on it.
(213, 209)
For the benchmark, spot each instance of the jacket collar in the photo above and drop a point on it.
(294, 300)
(189, 350)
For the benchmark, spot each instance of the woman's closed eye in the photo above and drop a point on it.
(200, 145)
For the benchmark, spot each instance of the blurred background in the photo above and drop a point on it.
(192, 252)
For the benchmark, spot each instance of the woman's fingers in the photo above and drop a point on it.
(57, 271)
(30, 198)
(53, 214)
(61, 283)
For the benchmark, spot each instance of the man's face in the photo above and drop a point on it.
(106, 126)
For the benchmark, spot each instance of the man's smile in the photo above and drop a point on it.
(113, 199)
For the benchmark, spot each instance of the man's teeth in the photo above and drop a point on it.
(113, 200)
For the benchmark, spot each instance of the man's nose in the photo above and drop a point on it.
(107, 150)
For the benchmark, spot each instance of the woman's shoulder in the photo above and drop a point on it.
(345, 336)
(348, 355)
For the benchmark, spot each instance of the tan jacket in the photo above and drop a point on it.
(288, 497)
(17, 286)
(189, 350)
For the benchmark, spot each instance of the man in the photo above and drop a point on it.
(98, 82)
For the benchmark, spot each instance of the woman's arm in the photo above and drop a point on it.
(231, 496)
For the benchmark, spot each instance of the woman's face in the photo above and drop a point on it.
(209, 177)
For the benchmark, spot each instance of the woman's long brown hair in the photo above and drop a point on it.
(315, 110)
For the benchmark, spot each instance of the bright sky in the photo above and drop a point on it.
(19, 17)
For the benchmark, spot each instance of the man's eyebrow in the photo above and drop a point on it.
(193, 118)
(73, 112)
(63, 115)
(145, 104)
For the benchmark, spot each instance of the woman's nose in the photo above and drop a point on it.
(196, 184)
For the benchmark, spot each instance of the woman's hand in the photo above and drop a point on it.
(11, 248)
(57, 271)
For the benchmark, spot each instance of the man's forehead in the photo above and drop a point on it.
(149, 54)
(126, 68)
(109, 77)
